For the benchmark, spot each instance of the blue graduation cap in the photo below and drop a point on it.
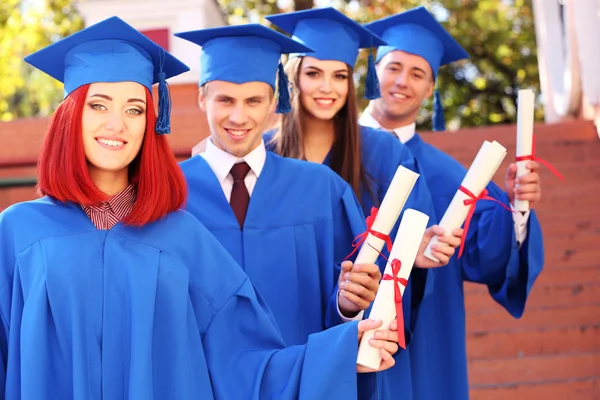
(333, 36)
(111, 51)
(245, 53)
(417, 32)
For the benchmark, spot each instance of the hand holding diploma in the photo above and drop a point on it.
(471, 190)
(522, 182)
(358, 284)
(523, 192)
(385, 341)
(443, 250)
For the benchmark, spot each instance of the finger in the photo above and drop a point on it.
(451, 241)
(387, 361)
(446, 250)
(369, 325)
(511, 171)
(371, 269)
(356, 300)
(438, 230)
(371, 283)
(366, 289)
(347, 266)
(532, 177)
(387, 335)
(359, 290)
(441, 257)
(535, 197)
(394, 325)
(458, 232)
(529, 188)
(390, 347)
(533, 166)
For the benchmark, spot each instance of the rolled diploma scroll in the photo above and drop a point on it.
(387, 215)
(406, 246)
(480, 174)
(525, 110)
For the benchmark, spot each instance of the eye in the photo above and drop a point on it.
(97, 107)
(417, 76)
(341, 76)
(224, 100)
(312, 74)
(135, 111)
(393, 68)
(254, 101)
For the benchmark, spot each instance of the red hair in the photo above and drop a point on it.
(63, 171)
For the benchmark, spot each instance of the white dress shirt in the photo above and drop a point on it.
(221, 163)
(405, 133)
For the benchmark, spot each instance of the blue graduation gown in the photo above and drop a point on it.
(157, 312)
(381, 155)
(491, 257)
(300, 224)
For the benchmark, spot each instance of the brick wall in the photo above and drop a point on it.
(553, 352)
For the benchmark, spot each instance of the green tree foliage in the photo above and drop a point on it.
(27, 26)
(499, 35)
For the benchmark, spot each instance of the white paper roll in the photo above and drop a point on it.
(388, 213)
(406, 245)
(480, 174)
(525, 118)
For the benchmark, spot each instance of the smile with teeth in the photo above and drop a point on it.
(237, 132)
(110, 142)
(325, 102)
(400, 96)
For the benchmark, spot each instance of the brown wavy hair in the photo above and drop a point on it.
(346, 149)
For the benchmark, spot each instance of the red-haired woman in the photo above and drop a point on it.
(107, 289)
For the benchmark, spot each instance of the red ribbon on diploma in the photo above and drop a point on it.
(472, 202)
(533, 157)
(396, 265)
(360, 239)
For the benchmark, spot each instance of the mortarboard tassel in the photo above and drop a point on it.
(163, 121)
(284, 105)
(371, 82)
(439, 122)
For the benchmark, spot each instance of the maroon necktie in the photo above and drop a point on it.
(239, 193)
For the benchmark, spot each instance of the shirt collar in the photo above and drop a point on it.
(221, 161)
(120, 204)
(404, 133)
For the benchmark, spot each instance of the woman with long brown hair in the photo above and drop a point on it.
(323, 127)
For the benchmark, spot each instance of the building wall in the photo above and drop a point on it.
(152, 15)
(553, 352)
(567, 34)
